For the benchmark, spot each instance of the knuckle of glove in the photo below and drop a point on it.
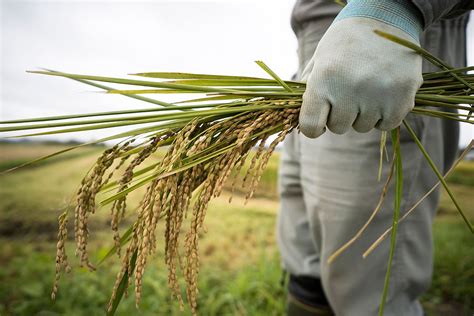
(366, 121)
(341, 122)
(363, 128)
(394, 99)
(395, 115)
(339, 128)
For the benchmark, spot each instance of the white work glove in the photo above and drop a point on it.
(359, 79)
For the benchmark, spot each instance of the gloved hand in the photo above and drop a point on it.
(359, 79)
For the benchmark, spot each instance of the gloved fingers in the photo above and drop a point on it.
(341, 118)
(365, 122)
(313, 115)
(394, 118)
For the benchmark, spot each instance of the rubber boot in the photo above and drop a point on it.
(306, 297)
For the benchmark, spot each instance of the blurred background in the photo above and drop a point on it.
(240, 272)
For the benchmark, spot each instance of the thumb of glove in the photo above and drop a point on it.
(314, 114)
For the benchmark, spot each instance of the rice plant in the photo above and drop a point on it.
(207, 140)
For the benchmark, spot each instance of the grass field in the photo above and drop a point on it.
(240, 271)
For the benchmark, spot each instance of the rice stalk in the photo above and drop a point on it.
(208, 141)
(396, 213)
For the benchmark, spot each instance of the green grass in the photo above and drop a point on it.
(32, 198)
(240, 271)
(253, 290)
(454, 269)
(13, 155)
(464, 174)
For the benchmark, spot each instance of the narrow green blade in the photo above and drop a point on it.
(183, 75)
(122, 286)
(133, 82)
(396, 213)
(439, 175)
(123, 240)
(273, 74)
(94, 84)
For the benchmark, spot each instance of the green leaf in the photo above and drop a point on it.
(446, 98)
(438, 174)
(176, 91)
(184, 75)
(152, 91)
(213, 98)
(396, 213)
(274, 75)
(443, 73)
(94, 84)
(110, 113)
(123, 240)
(234, 83)
(133, 82)
(414, 206)
(123, 285)
(118, 122)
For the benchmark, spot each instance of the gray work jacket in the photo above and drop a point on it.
(444, 23)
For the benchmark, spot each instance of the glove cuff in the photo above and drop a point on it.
(401, 14)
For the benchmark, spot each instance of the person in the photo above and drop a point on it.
(359, 84)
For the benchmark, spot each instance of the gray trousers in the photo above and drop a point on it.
(329, 188)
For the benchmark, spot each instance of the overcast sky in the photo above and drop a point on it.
(118, 37)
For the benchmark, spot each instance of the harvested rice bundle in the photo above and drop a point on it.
(208, 141)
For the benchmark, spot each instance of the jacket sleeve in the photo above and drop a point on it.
(434, 10)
